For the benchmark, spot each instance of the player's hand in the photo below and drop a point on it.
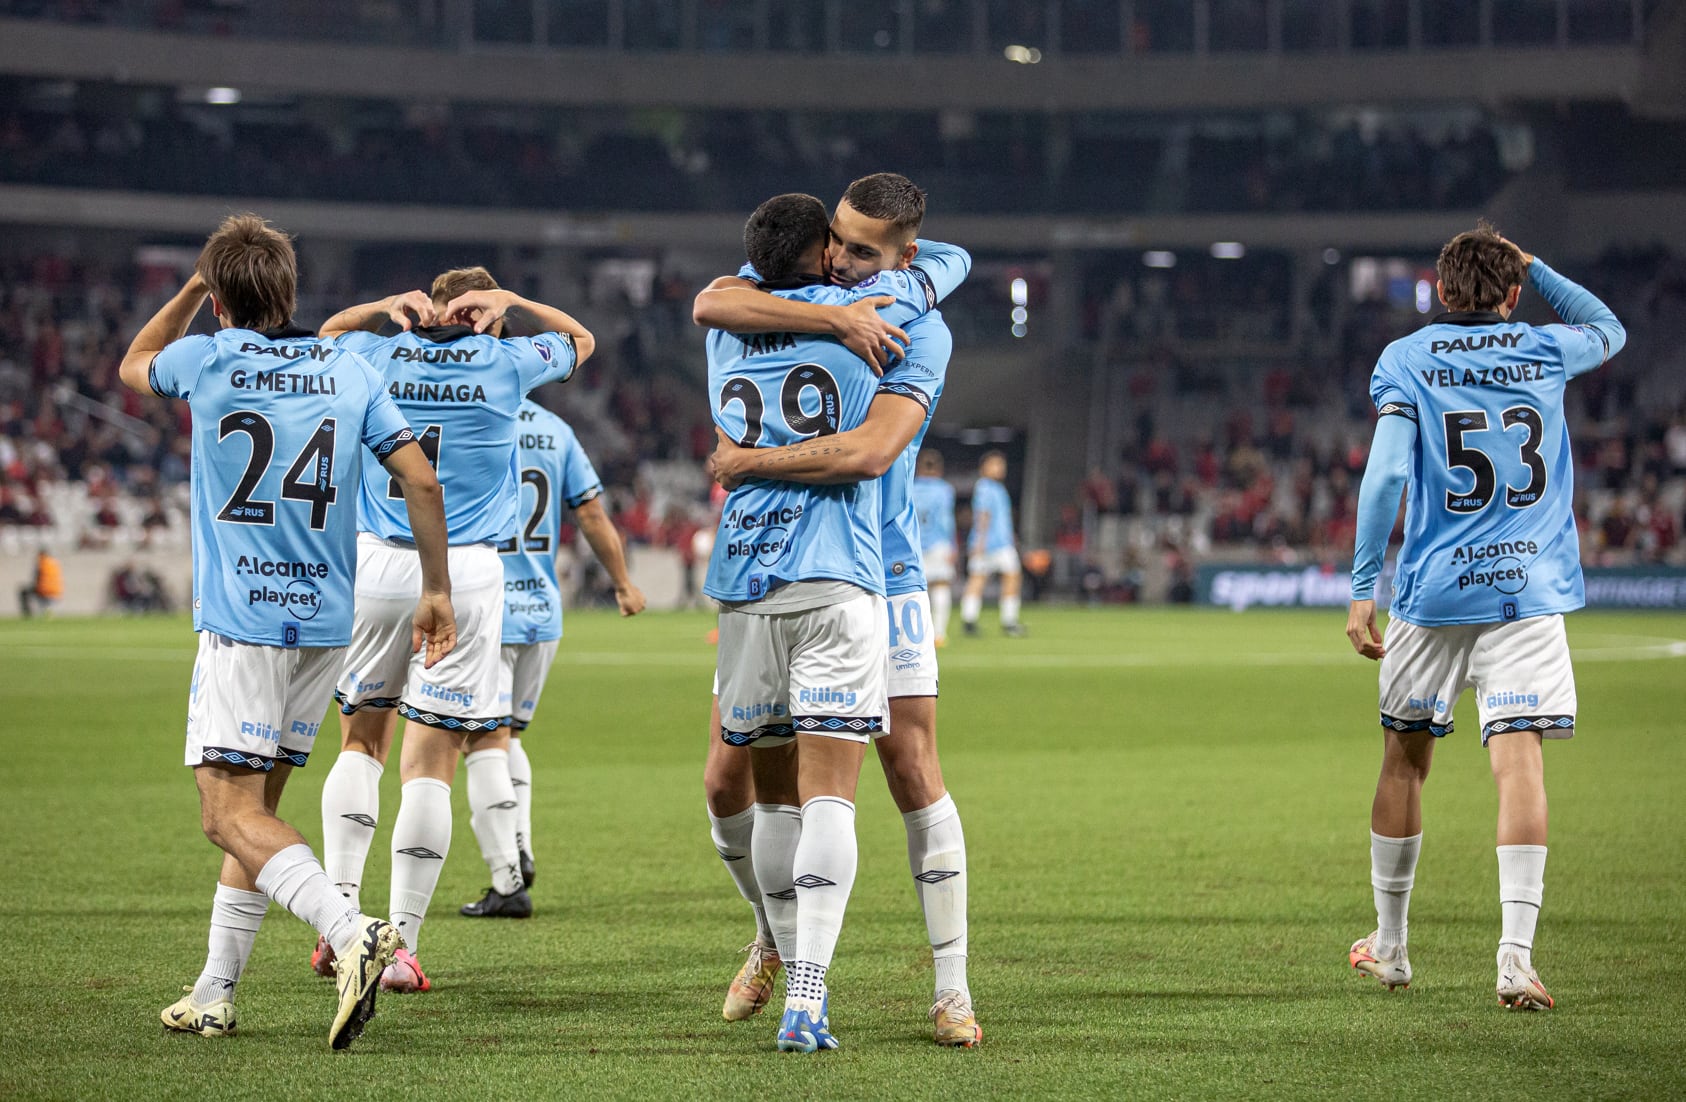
(481, 309)
(728, 457)
(630, 600)
(863, 331)
(436, 624)
(400, 307)
(1527, 257)
(1361, 630)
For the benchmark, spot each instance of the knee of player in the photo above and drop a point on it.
(727, 783)
(912, 774)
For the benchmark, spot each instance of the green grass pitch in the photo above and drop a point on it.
(1166, 818)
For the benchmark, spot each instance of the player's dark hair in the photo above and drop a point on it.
(889, 197)
(930, 463)
(781, 232)
(1478, 268)
(459, 281)
(252, 270)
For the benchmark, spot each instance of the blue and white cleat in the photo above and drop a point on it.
(800, 1032)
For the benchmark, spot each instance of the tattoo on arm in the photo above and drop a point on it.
(797, 453)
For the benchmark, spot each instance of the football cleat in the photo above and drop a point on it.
(1014, 631)
(753, 985)
(957, 1026)
(404, 975)
(1391, 972)
(322, 958)
(528, 873)
(970, 628)
(358, 978)
(800, 1032)
(1519, 987)
(517, 904)
(215, 1020)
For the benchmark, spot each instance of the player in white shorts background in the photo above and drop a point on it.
(1471, 427)
(933, 502)
(556, 474)
(875, 226)
(280, 423)
(992, 549)
(461, 386)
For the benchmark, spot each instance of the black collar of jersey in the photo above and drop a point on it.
(791, 283)
(288, 332)
(1469, 317)
(443, 334)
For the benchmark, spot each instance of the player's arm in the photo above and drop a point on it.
(424, 500)
(1597, 334)
(370, 316)
(169, 324)
(861, 453)
(1385, 474)
(605, 540)
(483, 309)
(736, 305)
(945, 265)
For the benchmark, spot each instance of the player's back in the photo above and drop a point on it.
(461, 392)
(554, 474)
(933, 499)
(1490, 530)
(280, 425)
(772, 389)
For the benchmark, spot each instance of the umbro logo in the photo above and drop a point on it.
(724, 856)
(520, 784)
(787, 895)
(936, 876)
(360, 819)
(809, 880)
(504, 805)
(421, 853)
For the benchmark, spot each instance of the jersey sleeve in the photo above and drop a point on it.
(546, 358)
(912, 291)
(1385, 474)
(579, 478)
(941, 267)
(1592, 334)
(1387, 391)
(919, 375)
(384, 427)
(176, 369)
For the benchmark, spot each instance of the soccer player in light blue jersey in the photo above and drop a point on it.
(461, 384)
(1471, 428)
(874, 228)
(280, 423)
(556, 474)
(933, 501)
(991, 549)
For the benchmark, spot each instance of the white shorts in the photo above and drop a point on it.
(250, 706)
(460, 693)
(522, 669)
(820, 672)
(1520, 672)
(1005, 560)
(913, 646)
(938, 560)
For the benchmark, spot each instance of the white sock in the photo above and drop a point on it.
(1393, 872)
(491, 797)
(351, 807)
(825, 874)
(1521, 886)
(521, 779)
(294, 879)
(942, 602)
(235, 918)
(936, 853)
(421, 837)
(1009, 611)
(970, 608)
(733, 838)
(778, 831)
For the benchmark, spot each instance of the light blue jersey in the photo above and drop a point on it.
(939, 268)
(555, 473)
(772, 389)
(1472, 408)
(933, 498)
(460, 391)
(280, 423)
(990, 497)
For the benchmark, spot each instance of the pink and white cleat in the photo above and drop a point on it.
(404, 975)
(1392, 972)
